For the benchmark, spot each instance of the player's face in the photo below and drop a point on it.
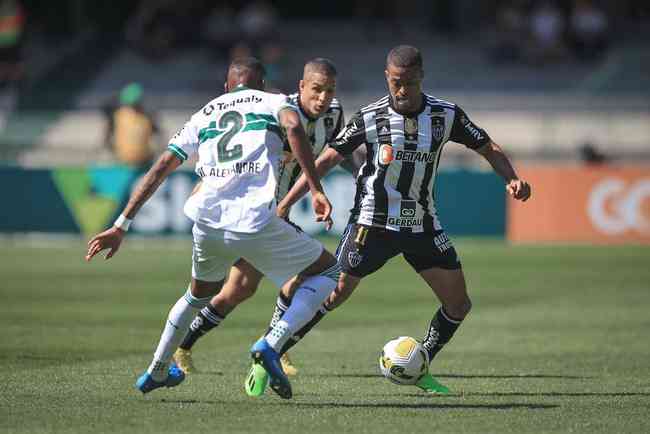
(405, 87)
(316, 93)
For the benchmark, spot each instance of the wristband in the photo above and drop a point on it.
(122, 223)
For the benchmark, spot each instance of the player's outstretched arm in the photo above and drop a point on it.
(301, 150)
(517, 188)
(324, 164)
(112, 238)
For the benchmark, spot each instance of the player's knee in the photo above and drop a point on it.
(467, 306)
(333, 272)
(345, 288)
(459, 309)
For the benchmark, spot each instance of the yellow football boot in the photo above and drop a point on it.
(183, 359)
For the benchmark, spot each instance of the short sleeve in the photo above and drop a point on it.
(185, 142)
(339, 124)
(350, 137)
(282, 102)
(466, 132)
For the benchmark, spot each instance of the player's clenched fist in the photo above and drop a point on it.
(519, 189)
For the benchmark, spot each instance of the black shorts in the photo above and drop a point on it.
(364, 250)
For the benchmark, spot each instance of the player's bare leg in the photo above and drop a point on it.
(320, 278)
(450, 288)
(347, 284)
(344, 289)
(160, 373)
(242, 282)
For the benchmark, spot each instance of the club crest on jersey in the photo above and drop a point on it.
(385, 154)
(438, 127)
(410, 126)
(354, 259)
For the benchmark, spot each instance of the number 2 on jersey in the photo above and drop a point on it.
(223, 153)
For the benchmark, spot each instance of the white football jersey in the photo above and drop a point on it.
(239, 143)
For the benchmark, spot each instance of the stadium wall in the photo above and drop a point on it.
(603, 204)
(86, 200)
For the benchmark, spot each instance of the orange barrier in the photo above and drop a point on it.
(592, 204)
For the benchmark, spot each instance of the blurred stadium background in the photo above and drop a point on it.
(557, 83)
(555, 342)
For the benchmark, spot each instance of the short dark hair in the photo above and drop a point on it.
(321, 65)
(239, 64)
(404, 56)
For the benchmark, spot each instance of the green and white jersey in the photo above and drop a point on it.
(238, 139)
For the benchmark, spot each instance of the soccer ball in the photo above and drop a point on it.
(403, 360)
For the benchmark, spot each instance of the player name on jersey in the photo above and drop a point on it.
(238, 168)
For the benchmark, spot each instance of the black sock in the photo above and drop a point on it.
(281, 305)
(293, 340)
(441, 329)
(207, 319)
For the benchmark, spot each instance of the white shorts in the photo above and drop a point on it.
(278, 250)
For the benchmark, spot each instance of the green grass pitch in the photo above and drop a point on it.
(557, 342)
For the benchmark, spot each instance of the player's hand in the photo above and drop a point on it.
(109, 239)
(282, 212)
(519, 189)
(322, 209)
(292, 284)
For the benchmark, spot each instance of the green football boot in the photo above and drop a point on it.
(431, 385)
(256, 381)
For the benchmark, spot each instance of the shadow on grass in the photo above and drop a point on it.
(419, 406)
(513, 376)
(561, 394)
(427, 406)
(346, 375)
(202, 372)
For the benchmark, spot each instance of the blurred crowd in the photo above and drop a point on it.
(159, 28)
(12, 22)
(540, 32)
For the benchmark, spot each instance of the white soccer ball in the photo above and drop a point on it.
(404, 360)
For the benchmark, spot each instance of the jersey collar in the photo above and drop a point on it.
(412, 114)
(238, 88)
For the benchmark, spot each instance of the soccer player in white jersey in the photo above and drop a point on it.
(322, 117)
(394, 211)
(238, 139)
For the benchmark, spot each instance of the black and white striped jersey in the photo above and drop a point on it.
(396, 183)
(319, 131)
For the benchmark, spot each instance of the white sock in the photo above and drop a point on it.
(178, 323)
(307, 299)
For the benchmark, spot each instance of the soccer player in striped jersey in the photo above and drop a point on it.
(322, 118)
(239, 143)
(394, 209)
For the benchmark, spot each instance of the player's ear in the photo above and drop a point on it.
(301, 85)
(225, 87)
